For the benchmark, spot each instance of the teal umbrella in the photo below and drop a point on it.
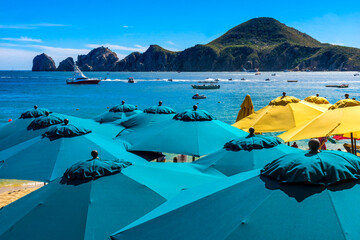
(194, 132)
(299, 196)
(34, 113)
(46, 157)
(120, 111)
(149, 117)
(244, 154)
(92, 200)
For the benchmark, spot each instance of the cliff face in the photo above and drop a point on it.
(98, 59)
(262, 43)
(66, 65)
(43, 62)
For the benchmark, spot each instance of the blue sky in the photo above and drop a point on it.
(68, 28)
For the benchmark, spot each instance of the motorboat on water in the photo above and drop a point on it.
(170, 80)
(356, 74)
(131, 80)
(274, 74)
(230, 79)
(243, 79)
(268, 79)
(338, 86)
(197, 96)
(211, 86)
(80, 78)
(292, 80)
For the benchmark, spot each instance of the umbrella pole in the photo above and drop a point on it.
(352, 143)
(355, 146)
(288, 143)
(193, 158)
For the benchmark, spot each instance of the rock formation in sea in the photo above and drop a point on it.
(43, 62)
(260, 43)
(66, 65)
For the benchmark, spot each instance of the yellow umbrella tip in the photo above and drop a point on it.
(316, 99)
(284, 100)
(345, 103)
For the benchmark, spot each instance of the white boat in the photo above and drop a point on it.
(80, 78)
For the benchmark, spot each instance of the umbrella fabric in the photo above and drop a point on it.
(341, 118)
(150, 116)
(45, 121)
(244, 154)
(257, 207)
(282, 114)
(316, 100)
(46, 158)
(93, 208)
(34, 113)
(193, 133)
(247, 108)
(117, 112)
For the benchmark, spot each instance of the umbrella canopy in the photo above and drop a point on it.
(93, 199)
(341, 118)
(193, 132)
(290, 200)
(45, 158)
(150, 116)
(247, 108)
(34, 113)
(317, 100)
(244, 154)
(282, 114)
(117, 112)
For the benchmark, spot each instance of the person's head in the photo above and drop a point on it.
(160, 103)
(284, 94)
(353, 98)
(35, 107)
(195, 107)
(66, 121)
(122, 102)
(314, 145)
(294, 143)
(346, 96)
(339, 149)
(94, 154)
(47, 113)
(175, 159)
(317, 94)
(252, 131)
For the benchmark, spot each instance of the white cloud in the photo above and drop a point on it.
(171, 43)
(136, 48)
(22, 39)
(16, 59)
(32, 26)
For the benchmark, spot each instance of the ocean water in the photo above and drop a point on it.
(20, 90)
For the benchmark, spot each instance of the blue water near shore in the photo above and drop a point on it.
(20, 90)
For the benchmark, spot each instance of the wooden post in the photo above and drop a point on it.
(352, 143)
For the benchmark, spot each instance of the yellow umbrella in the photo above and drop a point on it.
(282, 114)
(316, 99)
(342, 118)
(247, 108)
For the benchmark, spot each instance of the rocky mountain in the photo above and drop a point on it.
(43, 62)
(66, 65)
(260, 43)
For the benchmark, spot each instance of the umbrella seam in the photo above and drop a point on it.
(336, 214)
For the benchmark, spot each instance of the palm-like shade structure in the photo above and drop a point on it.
(93, 199)
(193, 132)
(299, 196)
(282, 114)
(244, 154)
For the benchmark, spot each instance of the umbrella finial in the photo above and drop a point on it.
(94, 154)
(66, 121)
(284, 94)
(314, 145)
(346, 96)
(122, 102)
(251, 131)
(195, 107)
(47, 113)
(317, 95)
(35, 107)
(160, 103)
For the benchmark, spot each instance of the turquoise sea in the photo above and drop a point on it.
(21, 90)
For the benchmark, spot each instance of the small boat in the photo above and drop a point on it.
(338, 86)
(170, 80)
(258, 73)
(207, 81)
(197, 96)
(292, 80)
(243, 79)
(131, 80)
(216, 80)
(274, 74)
(230, 79)
(80, 78)
(356, 74)
(268, 79)
(205, 86)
